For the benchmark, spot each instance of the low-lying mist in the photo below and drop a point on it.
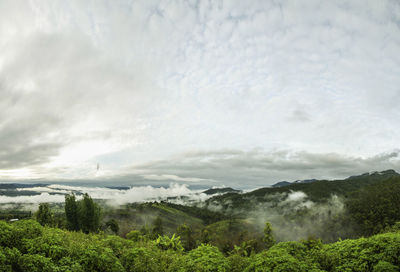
(55, 193)
(293, 215)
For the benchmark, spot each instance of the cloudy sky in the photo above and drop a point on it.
(240, 93)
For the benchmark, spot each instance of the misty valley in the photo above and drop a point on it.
(199, 135)
(311, 225)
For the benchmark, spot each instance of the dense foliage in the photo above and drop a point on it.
(27, 246)
(228, 233)
(376, 207)
(83, 214)
(317, 191)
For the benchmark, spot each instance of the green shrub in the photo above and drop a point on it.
(206, 258)
(139, 259)
(383, 266)
(36, 263)
(165, 243)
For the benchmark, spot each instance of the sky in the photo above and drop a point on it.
(233, 93)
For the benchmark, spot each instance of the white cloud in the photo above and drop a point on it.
(132, 82)
(258, 167)
(55, 193)
(36, 199)
(175, 178)
(296, 196)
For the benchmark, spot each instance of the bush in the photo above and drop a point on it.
(36, 263)
(206, 258)
(383, 266)
(362, 254)
(6, 234)
(139, 259)
(165, 243)
(134, 235)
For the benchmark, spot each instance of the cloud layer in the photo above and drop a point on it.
(133, 84)
(249, 169)
(55, 193)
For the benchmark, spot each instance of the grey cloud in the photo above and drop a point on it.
(52, 82)
(299, 115)
(148, 79)
(260, 168)
(26, 153)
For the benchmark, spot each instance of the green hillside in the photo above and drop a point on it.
(312, 223)
(27, 246)
(137, 216)
(317, 191)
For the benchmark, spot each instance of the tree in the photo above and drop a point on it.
(44, 215)
(36, 262)
(113, 225)
(205, 236)
(165, 243)
(89, 214)
(186, 234)
(269, 239)
(375, 207)
(205, 258)
(157, 227)
(71, 212)
(383, 266)
(134, 235)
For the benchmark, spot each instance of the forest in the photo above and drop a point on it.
(340, 225)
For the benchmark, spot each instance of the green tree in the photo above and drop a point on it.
(71, 212)
(165, 243)
(205, 236)
(383, 266)
(186, 234)
(113, 225)
(268, 239)
(375, 207)
(134, 235)
(140, 259)
(157, 228)
(89, 214)
(205, 258)
(35, 263)
(44, 216)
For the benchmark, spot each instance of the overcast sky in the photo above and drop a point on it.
(239, 93)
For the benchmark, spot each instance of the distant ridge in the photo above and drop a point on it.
(287, 183)
(220, 191)
(281, 184)
(20, 185)
(316, 190)
(389, 172)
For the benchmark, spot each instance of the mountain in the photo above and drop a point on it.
(281, 184)
(287, 183)
(13, 189)
(305, 181)
(214, 191)
(316, 190)
(389, 172)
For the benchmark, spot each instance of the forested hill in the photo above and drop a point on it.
(27, 246)
(317, 191)
(300, 227)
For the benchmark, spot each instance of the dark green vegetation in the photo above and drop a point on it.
(83, 215)
(330, 210)
(230, 232)
(10, 189)
(27, 246)
(317, 191)
(8, 214)
(220, 190)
